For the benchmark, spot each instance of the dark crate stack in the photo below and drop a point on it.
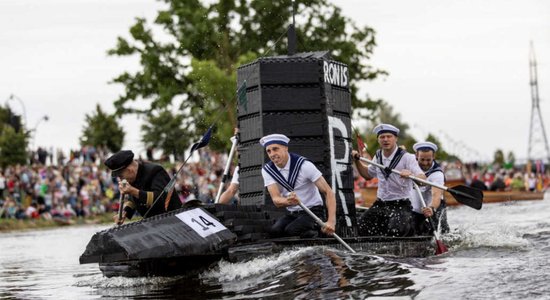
(306, 97)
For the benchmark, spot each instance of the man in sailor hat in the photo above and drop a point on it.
(391, 213)
(433, 197)
(143, 182)
(291, 178)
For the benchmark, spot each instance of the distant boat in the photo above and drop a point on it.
(503, 196)
(368, 196)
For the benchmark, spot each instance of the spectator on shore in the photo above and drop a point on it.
(498, 184)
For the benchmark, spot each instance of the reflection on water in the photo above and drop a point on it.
(498, 252)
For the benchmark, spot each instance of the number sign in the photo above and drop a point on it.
(201, 222)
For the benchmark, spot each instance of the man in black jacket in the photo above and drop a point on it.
(145, 182)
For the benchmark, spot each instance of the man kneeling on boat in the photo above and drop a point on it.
(291, 178)
(144, 183)
(391, 213)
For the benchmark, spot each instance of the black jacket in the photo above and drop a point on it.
(151, 180)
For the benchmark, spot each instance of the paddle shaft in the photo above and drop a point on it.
(417, 188)
(226, 170)
(320, 222)
(121, 202)
(442, 187)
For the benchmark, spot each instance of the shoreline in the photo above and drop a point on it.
(11, 225)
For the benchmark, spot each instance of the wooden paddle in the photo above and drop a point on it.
(464, 194)
(440, 247)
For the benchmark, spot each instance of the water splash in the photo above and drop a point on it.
(226, 271)
(99, 281)
(481, 232)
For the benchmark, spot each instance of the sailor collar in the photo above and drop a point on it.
(391, 155)
(286, 167)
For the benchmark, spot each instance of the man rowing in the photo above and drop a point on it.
(291, 179)
(391, 213)
(433, 197)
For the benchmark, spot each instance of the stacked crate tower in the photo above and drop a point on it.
(306, 97)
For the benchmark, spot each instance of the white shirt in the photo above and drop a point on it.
(435, 177)
(395, 187)
(305, 187)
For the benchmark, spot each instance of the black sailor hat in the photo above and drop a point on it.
(119, 161)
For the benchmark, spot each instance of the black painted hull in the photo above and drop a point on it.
(164, 246)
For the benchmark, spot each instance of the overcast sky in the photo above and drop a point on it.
(458, 69)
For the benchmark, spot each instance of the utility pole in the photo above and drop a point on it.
(538, 141)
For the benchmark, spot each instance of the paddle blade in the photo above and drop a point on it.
(466, 195)
(440, 248)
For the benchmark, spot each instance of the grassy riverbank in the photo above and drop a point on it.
(12, 224)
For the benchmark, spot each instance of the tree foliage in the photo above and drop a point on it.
(384, 114)
(191, 67)
(13, 139)
(164, 131)
(102, 131)
(498, 157)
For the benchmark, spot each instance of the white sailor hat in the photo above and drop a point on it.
(425, 146)
(275, 138)
(386, 128)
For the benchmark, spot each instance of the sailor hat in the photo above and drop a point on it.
(119, 161)
(425, 146)
(275, 138)
(386, 128)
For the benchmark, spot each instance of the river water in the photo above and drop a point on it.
(499, 252)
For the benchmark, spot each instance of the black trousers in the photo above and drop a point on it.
(387, 218)
(298, 223)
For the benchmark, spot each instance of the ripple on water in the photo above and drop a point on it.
(310, 273)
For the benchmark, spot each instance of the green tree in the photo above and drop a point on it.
(164, 131)
(384, 113)
(102, 131)
(193, 68)
(12, 147)
(511, 159)
(498, 157)
(13, 139)
(441, 155)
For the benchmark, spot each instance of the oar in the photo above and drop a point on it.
(440, 247)
(121, 203)
(227, 165)
(464, 194)
(322, 224)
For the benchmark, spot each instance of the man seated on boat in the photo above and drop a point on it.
(145, 182)
(391, 213)
(291, 178)
(433, 197)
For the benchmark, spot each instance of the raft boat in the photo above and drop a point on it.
(189, 240)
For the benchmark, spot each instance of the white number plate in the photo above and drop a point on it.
(201, 222)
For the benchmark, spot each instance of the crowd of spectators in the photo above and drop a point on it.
(79, 185)
(492, 177)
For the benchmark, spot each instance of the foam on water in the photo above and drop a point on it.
(468, 236)
(226, 271)
(100, 281)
